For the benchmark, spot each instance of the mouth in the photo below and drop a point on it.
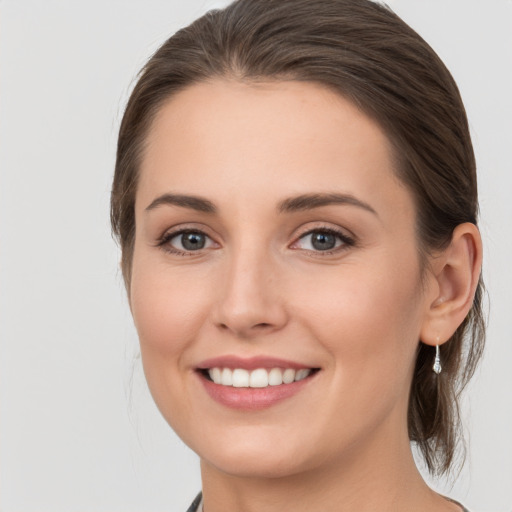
(254, 383)
(256, 378)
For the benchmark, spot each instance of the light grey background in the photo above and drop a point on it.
(76, 433)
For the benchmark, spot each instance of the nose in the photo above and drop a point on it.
(250, 298)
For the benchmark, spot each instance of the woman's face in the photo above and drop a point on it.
(273, 235)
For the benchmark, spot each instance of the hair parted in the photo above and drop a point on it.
(363, 51)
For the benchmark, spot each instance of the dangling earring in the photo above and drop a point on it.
(437, 362)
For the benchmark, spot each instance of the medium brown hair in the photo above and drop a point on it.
(366, 53)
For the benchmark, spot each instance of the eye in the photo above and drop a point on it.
(323, 240)
(185, 241)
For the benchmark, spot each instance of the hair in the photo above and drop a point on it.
(363, 51)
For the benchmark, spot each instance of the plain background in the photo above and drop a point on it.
(78, 430)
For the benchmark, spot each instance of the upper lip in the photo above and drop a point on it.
(250, 363)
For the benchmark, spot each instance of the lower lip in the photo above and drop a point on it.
(253, 398)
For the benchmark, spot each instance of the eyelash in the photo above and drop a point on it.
(347, 241)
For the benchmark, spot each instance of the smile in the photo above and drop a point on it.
(254, 383)
(258, 378)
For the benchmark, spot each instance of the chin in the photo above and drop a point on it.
(255, 466)
(255, 460)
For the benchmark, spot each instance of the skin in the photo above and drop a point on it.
(259, 287)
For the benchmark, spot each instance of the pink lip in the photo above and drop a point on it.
(251, 363)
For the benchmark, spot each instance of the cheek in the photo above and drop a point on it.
(168, 312)
(369, 322)
(367, 317)
(155, 312)
(166, 306)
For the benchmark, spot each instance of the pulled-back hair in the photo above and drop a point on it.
(366, 53)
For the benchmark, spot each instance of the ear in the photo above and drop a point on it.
(452, 285)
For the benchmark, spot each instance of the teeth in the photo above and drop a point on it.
(301, 374)
(226, 378)
(275, 377)
(240, 378)
(216, 375)
(288, 376)
(260, 378)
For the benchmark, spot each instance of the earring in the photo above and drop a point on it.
(437, 362)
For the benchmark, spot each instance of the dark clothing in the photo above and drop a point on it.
(195, 503)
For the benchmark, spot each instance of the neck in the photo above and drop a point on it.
(380, 476)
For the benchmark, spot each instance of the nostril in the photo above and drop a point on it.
(262, 326)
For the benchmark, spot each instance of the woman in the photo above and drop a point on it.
(295, 199)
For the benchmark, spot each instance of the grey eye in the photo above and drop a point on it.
(322, 241)
(193, 241)
(189, 241)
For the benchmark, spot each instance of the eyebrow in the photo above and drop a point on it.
(184, 201)
(293, 204)
(311, 201)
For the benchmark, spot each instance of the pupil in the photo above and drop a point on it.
(192, 241)
(323, 241)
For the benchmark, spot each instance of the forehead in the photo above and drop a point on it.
(236, 140)
(262, 113)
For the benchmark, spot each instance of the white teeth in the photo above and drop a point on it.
(240, 378)
(302, 374)
(226, 377)
(215, 375)
(259, 378)
(275, 377)
(289, 375)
